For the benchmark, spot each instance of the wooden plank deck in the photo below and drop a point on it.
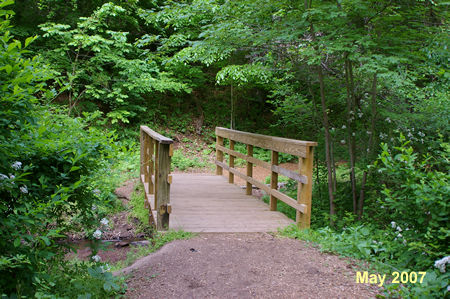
(208, 203)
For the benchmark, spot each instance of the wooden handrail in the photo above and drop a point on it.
(156, 153)
(304, 150)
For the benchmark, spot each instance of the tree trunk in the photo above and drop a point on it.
(370, 147)
(350, 139)
(327, 145)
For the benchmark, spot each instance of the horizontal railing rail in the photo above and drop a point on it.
(156, 153)
(304, 150)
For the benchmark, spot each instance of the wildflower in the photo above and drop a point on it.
(105, 268)
(12, 177)
(96, 258)
(342, 141)
(399, 228)
(24, 189)
(380, 170)
(368, 132)
(353, 134)
(421, 134)
(360, 115)
(393, 224)
(16, 165)
(440, 264)
(399, 235)
(388, 119)
(104, 221)
(96, 192)
(97, 234)
(3, 177)
(94, 207)
(344, 127)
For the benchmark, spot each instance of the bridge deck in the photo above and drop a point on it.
(208, 203)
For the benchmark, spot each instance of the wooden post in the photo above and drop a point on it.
(304, 191)
(249, 169)
(231, 163)
(151, 166)
(156, 174)
(142, 143)
(219, 155)
(163, 187)
(274, 181)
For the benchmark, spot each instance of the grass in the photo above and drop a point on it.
(159, 240)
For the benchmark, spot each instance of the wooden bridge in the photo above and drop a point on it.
(208, 203)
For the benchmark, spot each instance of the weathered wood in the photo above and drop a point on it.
(249, 188)
(151, 164)
(219, 154)
(278, 169)
(285, 145)
(304, 191)
(163, 186)
(281, 196)
(207, 203)
(156, 136)
(231, 163)
(273, 181)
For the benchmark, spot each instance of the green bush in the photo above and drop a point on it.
(416, 198)
(47, 161)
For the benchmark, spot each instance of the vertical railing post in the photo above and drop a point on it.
(151, 164)
(274, 181)
(219, 155)
(163, 186)
(156, 174)
(142, 144)
(304, 191)
(231, 163)
(249, 169)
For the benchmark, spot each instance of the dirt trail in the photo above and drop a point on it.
(255, 265)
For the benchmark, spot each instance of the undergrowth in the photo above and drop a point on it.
(159, 239)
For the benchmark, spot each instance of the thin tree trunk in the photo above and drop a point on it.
(232, 108)
(350, 139)
(327, 145)
(370, 147)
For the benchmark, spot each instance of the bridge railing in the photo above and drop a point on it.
(156, 153)
(304, 150)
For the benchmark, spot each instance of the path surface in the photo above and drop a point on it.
(208, 203)
(252, 265)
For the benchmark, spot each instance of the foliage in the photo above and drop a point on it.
(47, 160)
(416, 196)
(99, 66)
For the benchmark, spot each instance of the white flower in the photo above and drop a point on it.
(94, 207)
(368, 132)
(97, 234)
(342, 141)
(96, 192)
(421, 134)
(440, 264)
(3, 177)
(24, 189)
(393, 224)
(105, 268)
(16, 165)
(104, 221)
(353, 134)
(12, 177)
(399, 235)
(96, 258)
(360, 115)
(399, 228)
(388, 119)
(344, 127)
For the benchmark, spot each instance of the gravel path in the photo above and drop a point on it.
(253, 265)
